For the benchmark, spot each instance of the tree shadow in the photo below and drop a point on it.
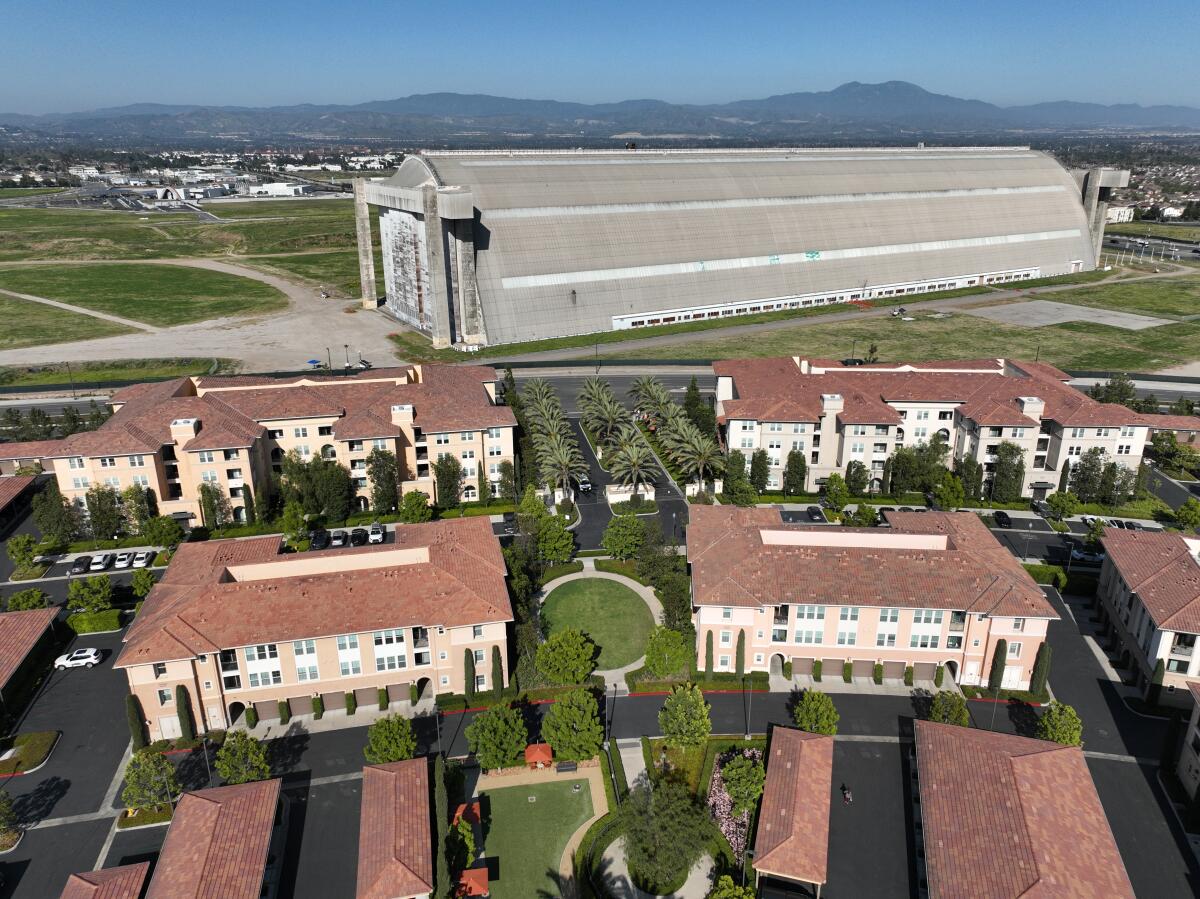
(793, 700)
(1024, 718)
(191, 770)
(35, 807)
(922, 702)
(285, 752)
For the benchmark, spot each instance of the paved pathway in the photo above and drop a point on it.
(83, 310)
(620, 884)
(613, 676)
(277, 341)
(633, 760)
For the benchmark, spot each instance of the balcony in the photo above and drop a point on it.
(958, 622)
(1182, 649)
(422, 453)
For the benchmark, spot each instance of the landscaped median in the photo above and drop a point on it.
(95, 622)
(148, 817)
(26, 752)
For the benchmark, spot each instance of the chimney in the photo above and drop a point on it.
(184, 429)
(402, 414)
(1032, 406)
(831, 403)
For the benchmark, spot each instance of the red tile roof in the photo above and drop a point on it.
(1163, 571)
(395, 848)
(124, 882)
(732, 565)
(1005, 816)
(539, 752)
(19, 634)
(216, 847)
(987, 391)
(473, 882)
(793, 823)
(31, 449)
(1172, 422)
(13, 487)
(199, 607)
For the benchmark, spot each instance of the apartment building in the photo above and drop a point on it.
(239, 624)
(1188, 764)
(1186, 428)
(1150, 607)
(933, 589)
(233, 432)
(836, 414)
(1000, 817)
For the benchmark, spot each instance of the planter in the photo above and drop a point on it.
(20, 836)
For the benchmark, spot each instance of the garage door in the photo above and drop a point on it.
(802, 666)
(301, 705)
(924, 670)
(831, 668)
(893, 671)
(863, 668)
(334, 701)
(397, 692)
(368, 697)
(267, 710)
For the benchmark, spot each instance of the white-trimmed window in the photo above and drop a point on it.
(113, 482)
(493, 433)
(477, 631)
(389, 637)
(1127, 431)
(775, 427)
(858, 431)
(1101, 432)
(1074, 450)
(723, 662)
(799, 429)
(923, 641)
(108, 462)
(726, 638)
(727, 613)
(303, 450)
(747, 443)
(1123, 449)
(809, 636)
(847, 638)
(811, 613)
(848, 613)
(379, 443)
(1014, 650)
(495, 450)
(261, 652)
(885, 640)
(467, 435)
(300, 432)
(75, 462)
(307, 673)
(165, 697)
(347, 641)
(80, 483)
(927, 616)
(468, 454)
(1018, 624)
(141, 480)
(478, 653)
(391, 662)
(208, 476)
(350, 667)
(266, 678)
(442, 440)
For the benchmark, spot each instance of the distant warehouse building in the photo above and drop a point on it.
(488, 247)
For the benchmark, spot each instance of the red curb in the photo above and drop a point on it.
(1036, 705)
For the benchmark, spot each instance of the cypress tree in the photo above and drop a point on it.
(469, 673)
(1064, 481)
(1041, 670)
(248, 500)
(497, 673)
(708, 655)
(999, 660)
(137, 729)
(741, 653)
(183, 708)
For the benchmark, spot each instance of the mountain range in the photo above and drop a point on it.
(883, 111)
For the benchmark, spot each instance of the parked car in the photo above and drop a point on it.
(815, 513)
(1003, 519)
(376, 533)
(510, 522)
(80, 658)
(1117, 523)
(358, 537)
(1042, 508)
(318, 539)
(1087, 555)
(338, 538)
(101, 562)
(81, 565)
(143, 559)
(905, 509)
(1134, 526)
(123, 560)
(883, 509)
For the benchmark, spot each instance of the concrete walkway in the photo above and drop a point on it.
(335, 719)
(595, 780)
(620, 885)
(633, 760)
(613, 676)
(863, 686)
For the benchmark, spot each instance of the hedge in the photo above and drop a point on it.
(908, 675)
(847, 672)
(1013, 695)
(643, 681)
(318, 706)
(626, 567)
(95, 622)
(938, 673)
(285, 712)
(877, 673)
(382, 697)
(146, 817)
(816, 670)
(1054, 575)
(562, 570)
(787, 669)
(251, 717)
(456, 702)
(351, 703)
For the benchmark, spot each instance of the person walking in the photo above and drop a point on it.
(847, 796)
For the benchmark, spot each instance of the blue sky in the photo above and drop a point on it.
(68, 55)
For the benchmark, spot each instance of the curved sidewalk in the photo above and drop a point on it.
(620, 885)
(613, 676)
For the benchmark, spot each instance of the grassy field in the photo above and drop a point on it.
(129, 370)
(611, 614)
(290, 208)
(1171, 296)
(8, 193)
(35, 324)
(1153, 229)
(336, 269)
(156, 294)
(959, 336)
(526, 839)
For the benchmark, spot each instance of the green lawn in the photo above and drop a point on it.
(1153, 229)
(290, 208)
(7, 193)
(1169, 296)
(128, 370)
(527, 838)
(336, 269)
(34, 324)
(156, 294)
(615, 617)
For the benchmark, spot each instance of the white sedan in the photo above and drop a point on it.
(80, 658)
(123, 560)
(143, 559)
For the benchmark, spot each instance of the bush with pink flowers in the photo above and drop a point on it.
(736, 828)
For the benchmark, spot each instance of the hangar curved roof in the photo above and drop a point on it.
(565, 240)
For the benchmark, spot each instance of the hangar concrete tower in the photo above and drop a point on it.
(491, 247)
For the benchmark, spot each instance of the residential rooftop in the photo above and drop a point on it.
(217, 844)
(1163, 569)
(1004, 816)
(395, 846)
(991, 392)
(19, 634)
(931, 560)
(124, 882)
(222, 594)
(793, 822)
(13, 487)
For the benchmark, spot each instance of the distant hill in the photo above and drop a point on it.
(853, 110)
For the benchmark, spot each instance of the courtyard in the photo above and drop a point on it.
(613, 615)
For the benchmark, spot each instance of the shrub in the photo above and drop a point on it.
(251, 717)
(572, 726)
(95, 622)
(351, 703)
(1060, 723)
(949, 707)
(216, 736)
(183, 708)
(938, 673)
(390, 739)
(668, 653)
(816, 670)
(318, 707)
(382, 696)
(1041, 670)
(877, 674)
(787, 669)
(285, 712)
(137, 729)
(1048, 574)
(684, 718)
(816, 713)
(999, 659)
(568, 657)
(413, 694)
(242, 759)
(908, 675)
(847, 672)
(497, 737)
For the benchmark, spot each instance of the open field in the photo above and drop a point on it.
(8, 193)
(336, 269)
(34, 324)
(525, 838)
(1153, 229)
(1071, 345)
(231, 209)
(162, 295)
(1176, 297)
(615, 617)
(130, 370)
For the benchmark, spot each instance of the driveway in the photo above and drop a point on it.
(39, 867)
(594, 511)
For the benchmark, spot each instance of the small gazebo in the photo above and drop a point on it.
(539, 755)
(473, 882)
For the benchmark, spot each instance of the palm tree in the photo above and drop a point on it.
(699, 455)
(643, 390)
(604, 416)
(633, 464)
(595, 390)
(559, 460)
(537, 389)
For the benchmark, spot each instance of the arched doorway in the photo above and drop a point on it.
(777, 661)
(424, 688)
(952, 670)
(361, 502)
(236, 711)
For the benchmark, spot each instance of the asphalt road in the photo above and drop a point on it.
(568, 383)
